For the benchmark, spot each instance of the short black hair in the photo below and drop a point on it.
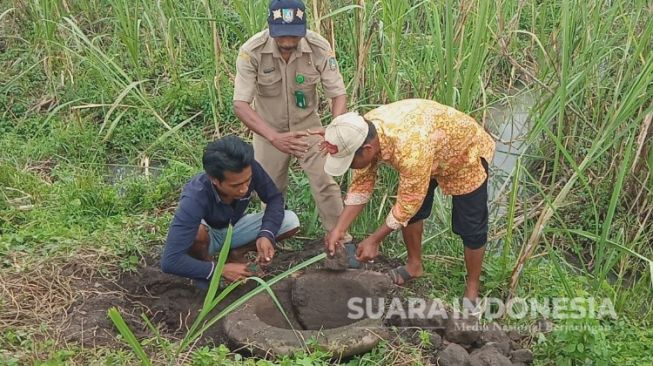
(228, 154)
(371, 135)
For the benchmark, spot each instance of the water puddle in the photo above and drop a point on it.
(118, 173)
(509, 122)
(121, 175)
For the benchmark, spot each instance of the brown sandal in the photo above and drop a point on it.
(400, 272)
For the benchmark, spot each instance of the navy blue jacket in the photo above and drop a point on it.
(200, 200)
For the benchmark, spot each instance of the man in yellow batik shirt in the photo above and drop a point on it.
(430, 145)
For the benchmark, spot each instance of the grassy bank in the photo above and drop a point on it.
(87, 86)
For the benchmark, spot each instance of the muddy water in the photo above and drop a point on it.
(509, 122)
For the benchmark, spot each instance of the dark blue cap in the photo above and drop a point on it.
(287, 18)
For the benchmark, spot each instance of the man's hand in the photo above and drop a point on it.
(265, 250)
(368, 249)
(332, 239)
(291, 143)
(235, 271)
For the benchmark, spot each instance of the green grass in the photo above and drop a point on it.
(89, 84)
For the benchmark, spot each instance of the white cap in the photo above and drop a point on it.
(347, 133)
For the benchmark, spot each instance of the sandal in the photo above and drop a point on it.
(350, 248)
(400, 273)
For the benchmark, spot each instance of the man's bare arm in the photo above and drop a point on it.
(338, 105)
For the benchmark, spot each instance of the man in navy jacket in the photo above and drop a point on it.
(211, 201)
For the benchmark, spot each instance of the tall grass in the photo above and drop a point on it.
(589, 62)
(128, 24)
(584, 188)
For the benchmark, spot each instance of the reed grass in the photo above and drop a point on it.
(591, 66)
(584, 187)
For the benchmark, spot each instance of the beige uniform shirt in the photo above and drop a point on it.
(266, 81)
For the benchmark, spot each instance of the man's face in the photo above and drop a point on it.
(287, 43)
(363, 158)
(234, 185)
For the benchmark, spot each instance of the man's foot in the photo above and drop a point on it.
(471, 291)
(236, 271)
(403, 274)
(239, 255)
(474, 307)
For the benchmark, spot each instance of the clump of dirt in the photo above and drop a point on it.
(168, 301)
(339, 260)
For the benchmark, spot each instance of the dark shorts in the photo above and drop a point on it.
(469, 216)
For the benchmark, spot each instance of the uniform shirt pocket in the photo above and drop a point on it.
(309, 88)
(269, 85)
(310, 81)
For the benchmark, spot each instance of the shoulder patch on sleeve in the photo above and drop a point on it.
(243, 55)
(333, 64)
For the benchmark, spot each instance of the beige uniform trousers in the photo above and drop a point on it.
(325, 190)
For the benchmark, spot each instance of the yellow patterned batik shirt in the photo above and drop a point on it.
(423, 140)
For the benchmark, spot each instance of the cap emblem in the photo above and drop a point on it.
(288, 15)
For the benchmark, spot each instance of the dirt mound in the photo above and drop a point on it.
(168, 301)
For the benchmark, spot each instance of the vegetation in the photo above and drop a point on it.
(92, 90)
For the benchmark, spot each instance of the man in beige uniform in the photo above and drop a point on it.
(277, 73)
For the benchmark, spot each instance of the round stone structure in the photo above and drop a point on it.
(318, 306)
